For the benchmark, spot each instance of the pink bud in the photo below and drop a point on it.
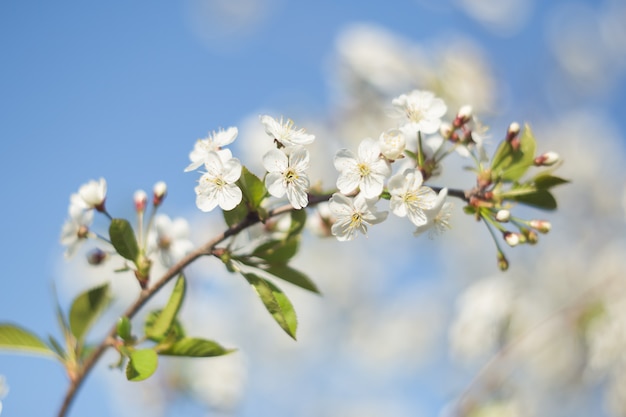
(541, 226)
(140, 199)
(159, 191)
(503, 216)
(512, 239)
(547, 159)
(97, 257)
(512, 131)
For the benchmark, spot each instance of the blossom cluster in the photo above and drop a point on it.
(164, 239)
(286, 166)
(367, 176)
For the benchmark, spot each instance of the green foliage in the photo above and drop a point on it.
(236, 215)
(194, 347)
(276, 303)
(511, 164)
(162, 323)
(293, 276)
(86, 309)
(16, 338)
(141, 365)
(253, 189)
(123, 239)
(124, 329)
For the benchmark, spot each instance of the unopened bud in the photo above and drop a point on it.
(97, 257)
(547, 159)
(503, 263)
(392, 144)
(463, 116)
(531, 236)
(512, 131)
(445, 130)
(541, 226)
(513, 239)
(140, 198)
(159, 191)
(503, 216)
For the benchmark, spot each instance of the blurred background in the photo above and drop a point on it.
(406, 326)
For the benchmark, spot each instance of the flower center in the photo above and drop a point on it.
(290, 175)
(164, 242)
(355, 220)
(414, 114)
(364, 169)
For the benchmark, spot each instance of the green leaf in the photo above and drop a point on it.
(252, 188)
(124, 329)
(123, 239)
(56, 347)
(175, 332)
(236, 215)
(16, 338)
(542, 199)
(196, 348)
(164, 320)
(287, 273)
(298, 221)
(510, 165)
(276, 302)
(546, 181)
(278, 251)
(86, 308)
(141, 365)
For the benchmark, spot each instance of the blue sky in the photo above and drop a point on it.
(123, 89)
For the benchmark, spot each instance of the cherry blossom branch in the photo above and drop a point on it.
(147, 293)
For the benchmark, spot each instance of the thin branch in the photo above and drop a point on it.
(174, 271)
(148, 293)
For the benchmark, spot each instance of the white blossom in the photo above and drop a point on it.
(437, 217)
(93, 193)
(214, 142)
(75, 230)
(169, 239)
(421, 110)
(392, 144)
(286, 174)
(285, 131)
(409, 197)
(367, 171)
(217, 185)
(353, 214)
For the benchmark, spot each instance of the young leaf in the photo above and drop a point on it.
(86, 308)
(124, 329)
(159, 328)
(509, 164)
(174, 332)
(298, 221)
(252, 188)
(546, 181)
(542, 199)
(287, 273)
(56, 347)
(141, 365)
(196, 348)
(123, 239)
(236, 215)
(278, 251)
(15, 338)
(276, 302)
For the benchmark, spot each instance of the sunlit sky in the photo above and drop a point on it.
(122, 90)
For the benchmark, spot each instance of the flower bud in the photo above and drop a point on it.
(94, 193)
(503, 216)
(513, 239)
(463, 116)
(140, 198)
(445, 130)
(97, 257)
(392, 144)
(547, 159)
(503, 263)
(531, 236)
(541, 226)
(159, 191)
(512, 131)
